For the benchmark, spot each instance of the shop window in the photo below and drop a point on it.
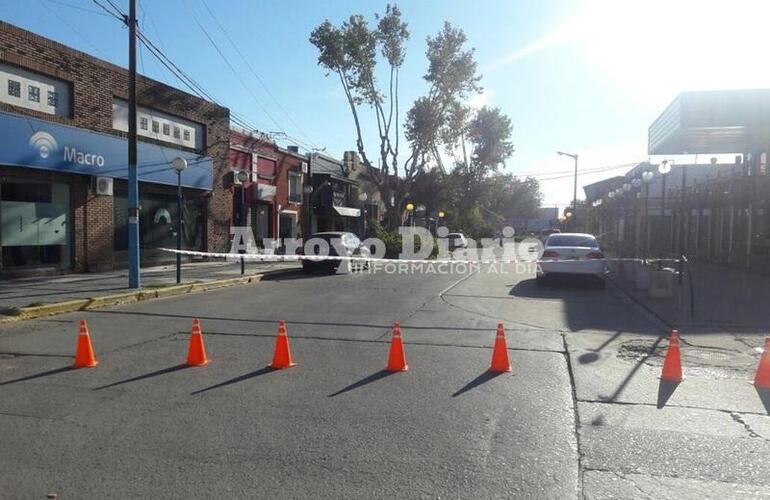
(143, 123)
(52, 98)
(33, 93)
(155, 127)
(157, 220)
(176, 132)
(14, 88)
(166, 129)
(186, 135)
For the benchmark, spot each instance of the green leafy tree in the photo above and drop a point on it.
(353, 51)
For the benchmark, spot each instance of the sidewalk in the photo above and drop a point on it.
(31, 292)
(726, 299)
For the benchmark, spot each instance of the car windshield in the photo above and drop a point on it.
(572, 240)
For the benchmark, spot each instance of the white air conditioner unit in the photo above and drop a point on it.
(231, 179)
(103, 186)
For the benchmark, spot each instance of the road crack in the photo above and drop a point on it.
(751, 432)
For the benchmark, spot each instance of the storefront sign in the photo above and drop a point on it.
(33, 143)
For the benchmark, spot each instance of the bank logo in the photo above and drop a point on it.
(44, 143)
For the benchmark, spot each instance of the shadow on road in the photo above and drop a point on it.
(564, 288)
(38, 375)
(594, 354)
(484, 377)
(289, 323)
(374, 377)
(764, 396)
(665, 391)
(144, 376)
(612, 398)
(239, 378)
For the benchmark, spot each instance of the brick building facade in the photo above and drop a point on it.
(59, 91)
(273, 191)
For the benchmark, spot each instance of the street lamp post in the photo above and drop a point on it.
(574, 187)
(410, 209)
(179, 165)
(646, 178)
(664, 168)
(242, 178)
(636, 183)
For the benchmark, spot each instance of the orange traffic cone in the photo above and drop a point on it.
(500, 362)
(84, 356)
(762, 378)
(672, 365)
(397, 356)
(282, 355)
(196, 354)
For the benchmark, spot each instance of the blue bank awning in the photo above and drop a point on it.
(32, 143)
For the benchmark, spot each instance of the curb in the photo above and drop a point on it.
(32, 312)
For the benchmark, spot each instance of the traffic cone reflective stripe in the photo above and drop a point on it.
(500, 361)
(397, 356)
(84, 356)
(196, 353)
(672, 365)
(282, 354)
(762, 378)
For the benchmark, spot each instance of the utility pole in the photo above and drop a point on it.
(134, 280)
(574, 188)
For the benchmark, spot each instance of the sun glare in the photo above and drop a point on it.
(656, 48)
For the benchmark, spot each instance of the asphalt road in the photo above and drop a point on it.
(578, 417)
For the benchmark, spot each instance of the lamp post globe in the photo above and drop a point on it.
(179, 164)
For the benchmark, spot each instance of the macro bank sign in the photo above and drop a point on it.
(37, 144)
(45, 144)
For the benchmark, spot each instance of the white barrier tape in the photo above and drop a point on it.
(320, 258)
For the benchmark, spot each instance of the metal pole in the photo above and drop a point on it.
(243, 221)
(179, 226)
(685, 216)
(663, 214)
(134, 280)
(646, 219)
(574, 197)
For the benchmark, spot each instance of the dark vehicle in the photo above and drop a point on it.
(339, 243)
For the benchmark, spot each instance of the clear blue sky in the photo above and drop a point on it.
(579, 76)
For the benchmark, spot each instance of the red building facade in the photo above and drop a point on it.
(272, 191)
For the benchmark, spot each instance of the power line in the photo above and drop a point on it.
(77, 7)
(114, 12)
(76, 31)
(235, 73)
(253, 72)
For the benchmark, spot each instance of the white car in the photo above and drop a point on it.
(456, 241)
(572, 254)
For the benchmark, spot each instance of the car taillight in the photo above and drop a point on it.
(551, 254)
(595, 255)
